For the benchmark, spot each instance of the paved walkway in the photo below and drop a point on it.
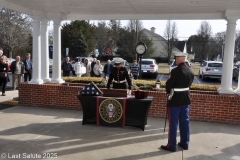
(59, 133)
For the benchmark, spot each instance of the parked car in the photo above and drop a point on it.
(236, 72)
(174, 65)
(211, 69)
(149, 67)
(237, 63)
(196, 60)
(50, 65)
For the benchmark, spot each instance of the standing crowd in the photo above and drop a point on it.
(18, 68)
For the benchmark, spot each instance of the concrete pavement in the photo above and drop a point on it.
(29, 132)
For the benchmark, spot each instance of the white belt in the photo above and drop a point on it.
(119, 81)
(181, 89)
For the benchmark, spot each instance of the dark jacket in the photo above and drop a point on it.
(181, 77)
(106, 67)
(66, 67)
(2, 66)
(119, 74)
(26, 67)
(92, 66)
(13, 67)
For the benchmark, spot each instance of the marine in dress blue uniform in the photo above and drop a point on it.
(180, 80)
(119, 76)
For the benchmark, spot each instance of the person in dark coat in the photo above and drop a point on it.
(92, 66)
(179, 81)
(119, 76)
(28, 68)
(107, 68)
(66, 67)
(4, 69)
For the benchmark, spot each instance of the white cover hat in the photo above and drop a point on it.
(179, 54)
(117, 60)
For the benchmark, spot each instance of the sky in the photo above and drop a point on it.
(186, 28)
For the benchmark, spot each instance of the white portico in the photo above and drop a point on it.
(43, 11)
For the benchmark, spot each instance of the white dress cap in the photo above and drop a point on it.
(117, 60)
(179, 54)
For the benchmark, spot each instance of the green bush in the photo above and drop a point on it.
(141, 84)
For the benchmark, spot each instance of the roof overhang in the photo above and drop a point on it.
(126, 9)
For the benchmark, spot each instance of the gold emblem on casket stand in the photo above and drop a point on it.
(110, 110)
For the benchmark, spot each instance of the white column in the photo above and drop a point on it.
(56, 68)
(227, 70)
(45, 51)
(36, 60)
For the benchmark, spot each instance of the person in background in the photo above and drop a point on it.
(17, 68)
(66, 67)
(1, 52)
(135, 69)
(98, 68)
(107, 68)
(119, 75)
(76, 64)
(28, 68)
(92, 66)
(87, 64)
(4, 69)
(178, 104)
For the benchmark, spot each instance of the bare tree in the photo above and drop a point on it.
(135, 27)
(15, 32)
(170, 35)
(204, 33)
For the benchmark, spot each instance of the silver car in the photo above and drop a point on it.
(149, 67)
(211, 69)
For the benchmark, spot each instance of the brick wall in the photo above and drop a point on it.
(206, 106)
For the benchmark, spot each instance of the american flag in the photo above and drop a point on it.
(90, 90)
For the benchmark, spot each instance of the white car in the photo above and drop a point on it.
(174, 65)
(211, 69)
(149, 66)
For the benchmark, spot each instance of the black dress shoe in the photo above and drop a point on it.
(3, 94)
(167, 149)
(180, 145)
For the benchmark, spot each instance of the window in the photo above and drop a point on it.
(214, 64)
(147, 62)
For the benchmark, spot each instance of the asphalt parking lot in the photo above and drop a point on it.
(197, 80)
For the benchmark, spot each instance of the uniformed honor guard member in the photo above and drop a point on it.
(119, 76)
(178, 106)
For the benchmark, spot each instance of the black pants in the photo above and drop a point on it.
(120, 85)
(3, 87)
(27, 76)
(66, 73)
(135, 76)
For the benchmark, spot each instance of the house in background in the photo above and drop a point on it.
(160, 43)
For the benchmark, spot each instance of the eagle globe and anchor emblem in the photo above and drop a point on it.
(110, 110)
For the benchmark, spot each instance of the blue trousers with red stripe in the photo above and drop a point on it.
(180, 114)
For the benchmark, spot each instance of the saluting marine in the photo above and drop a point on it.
(119, 76)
